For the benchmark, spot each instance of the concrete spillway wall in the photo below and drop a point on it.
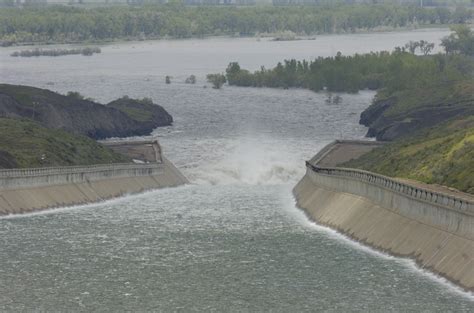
(27, 190)
(435, 229)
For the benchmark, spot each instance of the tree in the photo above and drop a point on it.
(190, 80)
(460, 41)
(411, 46)
(217, 80)
(233, 69)
(75, 95)
(424, 46)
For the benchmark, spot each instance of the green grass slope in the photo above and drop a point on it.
(410, 111)
(441, 155)
(27, 144)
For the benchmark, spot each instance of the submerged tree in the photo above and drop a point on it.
(190, 80)
(217, 80)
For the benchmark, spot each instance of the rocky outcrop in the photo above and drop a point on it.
(79, 116)
(145, 112)
(386, 122)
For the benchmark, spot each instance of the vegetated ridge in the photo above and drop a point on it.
(77, 115)
(24, 143)
(40, 128)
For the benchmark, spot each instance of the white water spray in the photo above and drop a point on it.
(252, 161)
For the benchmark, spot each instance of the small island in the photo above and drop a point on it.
(87, 51)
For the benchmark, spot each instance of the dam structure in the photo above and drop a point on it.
(432, 225)
(34, 189)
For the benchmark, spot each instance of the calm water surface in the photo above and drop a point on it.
(231, 241)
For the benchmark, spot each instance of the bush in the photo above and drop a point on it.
(217, 80)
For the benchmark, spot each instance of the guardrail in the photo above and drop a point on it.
(451, 202)
(41, 171)
(19, 178)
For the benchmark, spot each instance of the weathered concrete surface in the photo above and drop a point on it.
(343, 151)
(44, 196)
(394, 218)
(147, 151)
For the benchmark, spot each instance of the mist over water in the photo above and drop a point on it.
(233, 240)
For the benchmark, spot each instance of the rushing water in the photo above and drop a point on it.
(231, 241)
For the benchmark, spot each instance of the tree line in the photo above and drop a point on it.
(392, 71)
(72, 24)
(87, 51)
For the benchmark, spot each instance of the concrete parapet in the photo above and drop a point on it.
(445, 212)
(328, 157)
(435, 228)
(27, 190)
(20, 178)
(461, 203)
(146, 150)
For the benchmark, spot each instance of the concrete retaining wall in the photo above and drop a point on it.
(28, 190)
(436, 229)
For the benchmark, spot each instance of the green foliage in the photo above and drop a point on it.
(217, 80)
(392, 71)
(438, 96)
(87, 51)
(460, 41)
(75, 95)
(424, 46)
(441, 155)
(137, 109)
(27, 144)
(72, 24)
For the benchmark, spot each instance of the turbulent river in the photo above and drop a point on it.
(233, 240)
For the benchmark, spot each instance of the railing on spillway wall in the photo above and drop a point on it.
(452, 202)
(15, 178)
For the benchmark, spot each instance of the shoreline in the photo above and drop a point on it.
(363, 246)
(33, 190)
(389, 217)
(270, 37)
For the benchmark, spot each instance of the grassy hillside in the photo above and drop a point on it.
(440, 155)
(80, 116)
(27, 144)
(458, 94)
(409, 111)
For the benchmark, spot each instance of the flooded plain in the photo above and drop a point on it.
(233, 240)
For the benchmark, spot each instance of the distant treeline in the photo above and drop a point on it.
(72, 24)
(426, 3)
(55, 52)
(393, 71)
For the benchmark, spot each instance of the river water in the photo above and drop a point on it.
(233, 240)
